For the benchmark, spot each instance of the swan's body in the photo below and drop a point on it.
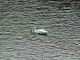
(39, 31)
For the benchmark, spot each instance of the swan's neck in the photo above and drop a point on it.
(35, 30)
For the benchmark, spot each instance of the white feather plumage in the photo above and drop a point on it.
(39, 31)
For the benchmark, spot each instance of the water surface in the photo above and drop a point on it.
(17, 43)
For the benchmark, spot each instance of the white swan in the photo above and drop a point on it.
(39, 31)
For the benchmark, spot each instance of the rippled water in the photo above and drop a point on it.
(17, 43)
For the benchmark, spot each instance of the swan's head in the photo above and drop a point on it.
(33, 29)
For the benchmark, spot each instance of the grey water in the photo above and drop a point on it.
(62, 21)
